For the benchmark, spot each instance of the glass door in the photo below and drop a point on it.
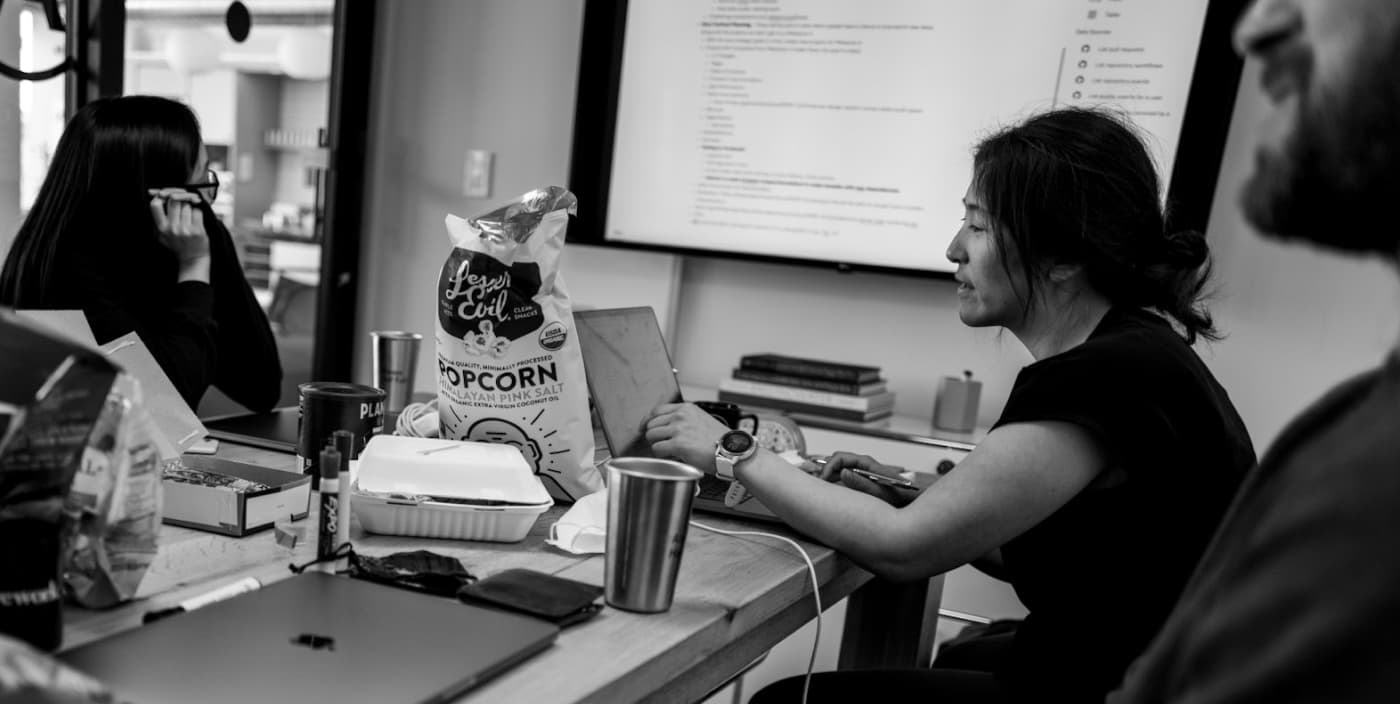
(28, 135)
(258, 76)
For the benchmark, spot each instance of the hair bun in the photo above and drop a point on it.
(1186, 249)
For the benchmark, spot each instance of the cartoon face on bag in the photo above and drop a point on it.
(504, 432)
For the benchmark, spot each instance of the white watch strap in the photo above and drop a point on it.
(724, 467)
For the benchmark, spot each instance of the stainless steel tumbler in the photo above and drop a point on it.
(648, 514)
(395, 357)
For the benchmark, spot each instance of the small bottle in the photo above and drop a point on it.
(955, 406)
(329, 518)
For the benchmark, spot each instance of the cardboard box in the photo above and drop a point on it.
(232, 498)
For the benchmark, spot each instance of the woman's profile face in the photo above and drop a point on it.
(986, 295)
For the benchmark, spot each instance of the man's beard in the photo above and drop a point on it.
(1336, 178)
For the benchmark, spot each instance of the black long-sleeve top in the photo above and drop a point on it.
(200, 334)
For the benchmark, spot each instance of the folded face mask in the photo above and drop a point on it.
(583, 529)
(419, 570)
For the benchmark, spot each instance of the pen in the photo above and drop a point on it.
(247, 584)
(903, 481)
(896, 482)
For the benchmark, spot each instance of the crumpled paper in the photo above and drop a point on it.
(113, 507)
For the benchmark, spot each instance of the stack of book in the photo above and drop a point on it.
(809, 386)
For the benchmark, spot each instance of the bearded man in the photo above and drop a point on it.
(1298, 597)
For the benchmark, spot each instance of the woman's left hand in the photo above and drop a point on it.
(684, 432)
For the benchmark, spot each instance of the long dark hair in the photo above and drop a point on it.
(94, 194)
(1078, 186)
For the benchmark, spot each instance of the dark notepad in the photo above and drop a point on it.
(274, 430)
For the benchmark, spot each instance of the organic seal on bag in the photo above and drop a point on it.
(509, 366)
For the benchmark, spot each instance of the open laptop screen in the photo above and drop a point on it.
(629, 373)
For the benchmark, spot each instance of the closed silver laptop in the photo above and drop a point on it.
(314, 638)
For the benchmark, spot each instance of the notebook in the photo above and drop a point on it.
(275, 430)
(629, 374)
(315, 638)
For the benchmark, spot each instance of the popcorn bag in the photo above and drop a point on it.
(508, 362)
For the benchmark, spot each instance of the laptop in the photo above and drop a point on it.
(314, 638)
(629, 374)
(275, 430)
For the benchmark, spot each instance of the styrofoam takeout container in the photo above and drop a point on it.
(435, 488)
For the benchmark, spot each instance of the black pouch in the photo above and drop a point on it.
(561, 601)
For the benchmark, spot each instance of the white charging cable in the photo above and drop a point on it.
(816, 593)
(418, 420)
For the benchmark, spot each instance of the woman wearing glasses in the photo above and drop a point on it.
(122, 230)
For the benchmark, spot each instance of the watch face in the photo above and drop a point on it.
(736, 442)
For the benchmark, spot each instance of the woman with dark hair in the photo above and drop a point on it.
(1115, 457)
(122, 230)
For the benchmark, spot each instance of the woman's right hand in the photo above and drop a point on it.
(837, 463)
(180, 227)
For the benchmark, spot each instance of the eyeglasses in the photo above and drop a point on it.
(209, 188)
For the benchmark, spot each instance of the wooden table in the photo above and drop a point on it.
(736, 597)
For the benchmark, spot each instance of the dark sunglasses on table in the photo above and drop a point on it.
(209, 188)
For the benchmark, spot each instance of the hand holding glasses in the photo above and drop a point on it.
(179, 218)
(208, 188)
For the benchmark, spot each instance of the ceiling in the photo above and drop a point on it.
(289, 37)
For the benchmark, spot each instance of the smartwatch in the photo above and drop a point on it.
(733, 447)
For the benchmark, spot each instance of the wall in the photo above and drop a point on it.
(495, 75)
(499, 75)
(302, 108)
(254, 165)
(213, 95)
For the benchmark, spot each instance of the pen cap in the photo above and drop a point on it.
(955, 407)
(344, 443)
(330, 463)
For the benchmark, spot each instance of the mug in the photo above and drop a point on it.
(729, 414)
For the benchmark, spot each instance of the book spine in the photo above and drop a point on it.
(808, 396)
(806, 382)
(810, 368)
(807, 408)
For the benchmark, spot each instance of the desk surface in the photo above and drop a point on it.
(736, 597)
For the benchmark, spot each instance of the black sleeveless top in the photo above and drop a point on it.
(1100, 575)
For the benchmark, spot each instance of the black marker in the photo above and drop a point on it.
(330, 509)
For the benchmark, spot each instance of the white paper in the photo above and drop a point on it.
(178, 426)
(583, 529)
